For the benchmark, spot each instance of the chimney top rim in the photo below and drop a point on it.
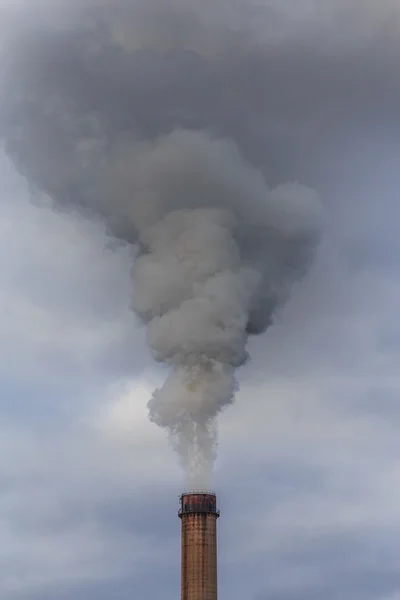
(199, 491)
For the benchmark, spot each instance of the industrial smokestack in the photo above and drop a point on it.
(198, 513)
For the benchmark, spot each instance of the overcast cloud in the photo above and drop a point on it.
(308, 469)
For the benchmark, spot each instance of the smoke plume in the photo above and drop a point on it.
(104, 112)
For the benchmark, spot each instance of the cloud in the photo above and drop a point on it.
(59, 307)
(71, 516)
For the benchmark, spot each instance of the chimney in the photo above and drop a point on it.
(198, 513)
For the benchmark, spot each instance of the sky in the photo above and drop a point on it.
(308, 465)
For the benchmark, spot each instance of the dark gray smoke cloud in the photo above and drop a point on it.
(168, 119)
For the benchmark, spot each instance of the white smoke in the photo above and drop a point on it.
(196, 296)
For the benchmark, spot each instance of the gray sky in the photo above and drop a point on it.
(308, 469)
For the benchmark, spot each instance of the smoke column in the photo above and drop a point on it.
(217, 248)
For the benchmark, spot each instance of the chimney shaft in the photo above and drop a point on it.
(199, 514)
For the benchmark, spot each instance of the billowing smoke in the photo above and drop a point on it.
(217, 248)
(219, 251)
